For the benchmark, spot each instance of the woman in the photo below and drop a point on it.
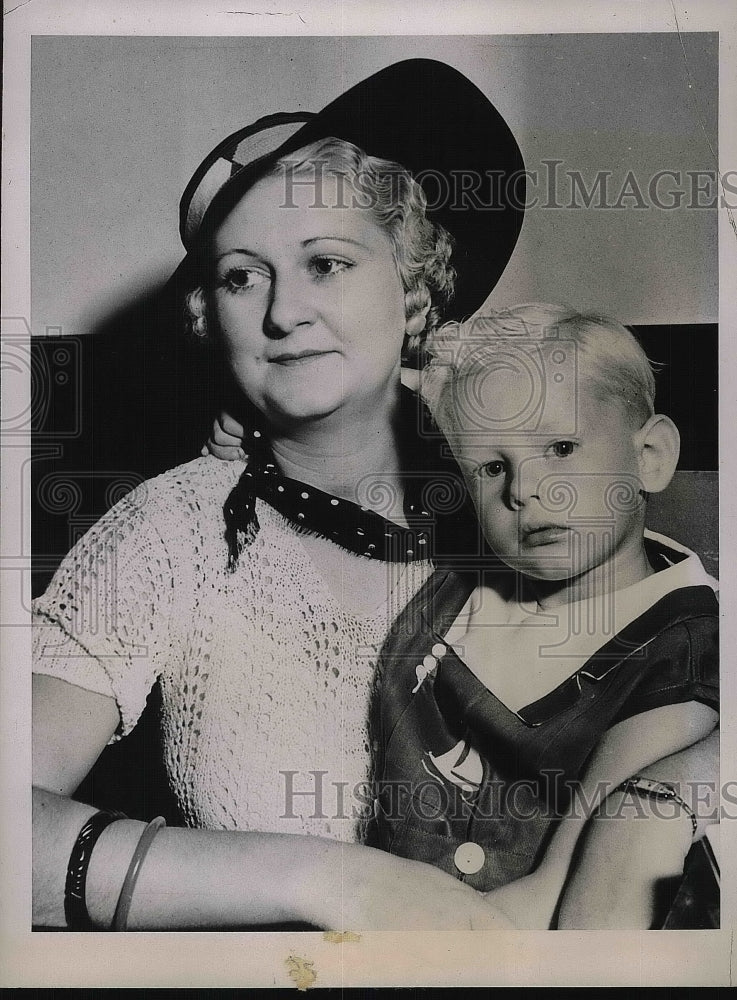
(263, 634)
(242, 590)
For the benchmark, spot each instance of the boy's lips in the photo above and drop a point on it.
(543, 534)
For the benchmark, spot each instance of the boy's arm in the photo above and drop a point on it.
(625, 750)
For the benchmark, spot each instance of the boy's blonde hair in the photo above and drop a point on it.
(609, 359)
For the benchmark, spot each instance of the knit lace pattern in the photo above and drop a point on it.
(266, 679)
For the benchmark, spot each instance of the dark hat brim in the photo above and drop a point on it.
(436, 123)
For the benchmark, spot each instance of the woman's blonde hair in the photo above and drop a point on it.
(422, 249)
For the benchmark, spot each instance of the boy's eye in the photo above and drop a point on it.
(241, 279)
(492, 469)
(326, 267)
(562, 449)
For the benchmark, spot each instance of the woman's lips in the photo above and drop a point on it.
(548, 534)
(298, 357)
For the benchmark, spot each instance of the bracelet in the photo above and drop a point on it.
(120, 919)
(659, 790)
(75, 904)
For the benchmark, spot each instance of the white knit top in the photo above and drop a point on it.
(265, 678)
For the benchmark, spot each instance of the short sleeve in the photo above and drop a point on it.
(682, 665)
(103, 623)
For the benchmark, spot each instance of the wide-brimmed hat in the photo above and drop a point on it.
(419, 113)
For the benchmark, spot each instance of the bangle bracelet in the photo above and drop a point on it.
(75, 904)
(120, 920)
(659, 790)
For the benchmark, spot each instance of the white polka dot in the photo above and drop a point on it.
(301, 516)
(257, 434)
(280, 489)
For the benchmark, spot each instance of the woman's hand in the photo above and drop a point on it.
(625, 857)
(226, 439)
(630, 852)
(372, 890)
(529, 903)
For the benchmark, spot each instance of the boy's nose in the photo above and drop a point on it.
(523, 483)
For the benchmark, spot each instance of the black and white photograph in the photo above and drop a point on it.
(366, 444)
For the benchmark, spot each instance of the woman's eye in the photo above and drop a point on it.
(492, 469)
(562, 449)
(241, 279)
(326, 267)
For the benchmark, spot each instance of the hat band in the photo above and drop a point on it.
(249, 150)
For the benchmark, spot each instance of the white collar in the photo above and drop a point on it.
(567, 636)
(608, 614)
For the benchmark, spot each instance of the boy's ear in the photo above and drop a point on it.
(658, 443)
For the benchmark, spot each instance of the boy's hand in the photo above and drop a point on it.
(226, 439)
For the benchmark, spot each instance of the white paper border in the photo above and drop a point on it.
(672, 958)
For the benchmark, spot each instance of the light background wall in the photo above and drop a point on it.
(119, 124)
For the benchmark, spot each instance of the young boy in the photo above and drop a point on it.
(518, 691)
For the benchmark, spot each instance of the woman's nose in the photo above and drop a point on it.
(289, 307)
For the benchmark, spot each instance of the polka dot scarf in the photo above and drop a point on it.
(436, 505)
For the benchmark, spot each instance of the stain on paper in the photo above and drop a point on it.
(341, 937)
(301, 971)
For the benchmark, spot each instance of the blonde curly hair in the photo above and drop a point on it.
(422, 249)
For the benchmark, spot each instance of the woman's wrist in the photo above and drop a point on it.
(107, 869)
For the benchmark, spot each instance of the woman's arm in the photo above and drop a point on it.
(625, 750)
(213, 879)
(627, 851)
(226, 434)
(226, 439)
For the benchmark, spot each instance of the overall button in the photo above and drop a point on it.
(469, 858)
